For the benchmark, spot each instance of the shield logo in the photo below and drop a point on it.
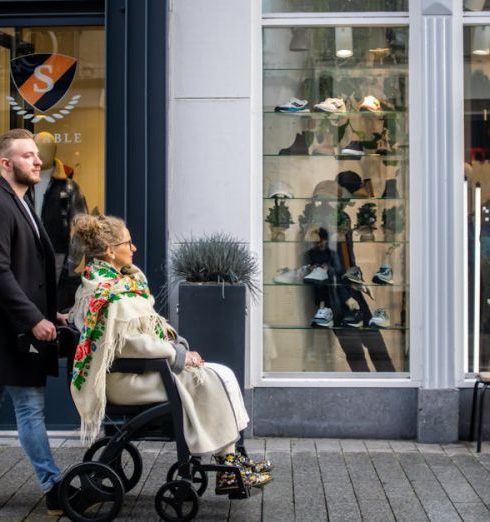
(43, 79)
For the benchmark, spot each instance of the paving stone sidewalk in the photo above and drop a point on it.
(314, 480)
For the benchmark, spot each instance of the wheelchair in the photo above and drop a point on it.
(94, 489)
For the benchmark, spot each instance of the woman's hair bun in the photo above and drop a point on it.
(86, 228)
(93, 234)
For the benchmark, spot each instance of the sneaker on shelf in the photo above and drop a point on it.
(384, 276)
(371, 104)
(380, 319)
(293, 105)
(353, 319)
(286, 276)
(354, 148)
(323, 318)
(318, 275)
(354, 275)
(333, 105)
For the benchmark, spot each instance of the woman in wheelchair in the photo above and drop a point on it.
(114, 312)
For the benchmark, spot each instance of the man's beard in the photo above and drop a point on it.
(22, 178)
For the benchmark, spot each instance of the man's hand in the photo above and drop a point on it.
(62, 318)
(193, 359)
(44, 331)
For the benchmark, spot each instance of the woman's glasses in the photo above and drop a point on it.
(129, 242)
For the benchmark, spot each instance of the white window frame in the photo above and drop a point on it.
(257, 377)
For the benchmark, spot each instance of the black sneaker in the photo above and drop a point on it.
(354, 275)
(353, 319)
(354, 148)
(53, 503)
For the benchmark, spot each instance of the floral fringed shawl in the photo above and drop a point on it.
(118, 303)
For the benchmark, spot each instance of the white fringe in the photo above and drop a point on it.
(110, 349)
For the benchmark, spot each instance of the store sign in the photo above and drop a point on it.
(43, 80)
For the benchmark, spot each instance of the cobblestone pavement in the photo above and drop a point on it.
(314, 480)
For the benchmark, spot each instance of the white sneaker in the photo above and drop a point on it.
(384, 276)
(286, 276)
(317, 275)
(335, 105)
(323, 318)
(380, 319)
(294, 105)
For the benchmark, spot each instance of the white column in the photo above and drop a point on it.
(436, 185)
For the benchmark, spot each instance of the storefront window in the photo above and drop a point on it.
(336, 285)
(476, 5)
(336, 6)
(52, 83)
(477, 171)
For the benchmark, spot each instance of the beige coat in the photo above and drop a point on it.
(210, 423)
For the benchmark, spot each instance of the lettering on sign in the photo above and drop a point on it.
(67, 137)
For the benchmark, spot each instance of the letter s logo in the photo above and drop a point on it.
(38, 73)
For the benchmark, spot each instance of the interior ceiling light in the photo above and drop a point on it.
(480, 41)
(343, 42)
(378, 46)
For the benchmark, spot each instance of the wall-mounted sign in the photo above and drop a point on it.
(42, 80)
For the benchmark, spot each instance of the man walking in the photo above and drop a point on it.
(27, 304)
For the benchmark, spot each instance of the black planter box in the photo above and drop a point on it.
(212, 319)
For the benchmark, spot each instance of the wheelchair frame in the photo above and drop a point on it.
(103, 481)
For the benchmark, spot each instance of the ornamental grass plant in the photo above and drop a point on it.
(215, 258)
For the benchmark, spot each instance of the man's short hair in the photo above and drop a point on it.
(8, 137)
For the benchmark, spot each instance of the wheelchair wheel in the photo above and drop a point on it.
(199, 477)
(177, 501)
(91, 491)
(128, 464)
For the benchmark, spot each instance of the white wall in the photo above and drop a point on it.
(209, 171)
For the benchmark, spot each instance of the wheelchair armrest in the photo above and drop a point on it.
(132, 365)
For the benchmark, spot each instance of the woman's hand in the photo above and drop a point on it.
(193, 359)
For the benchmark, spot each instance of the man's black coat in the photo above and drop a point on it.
(27, 288)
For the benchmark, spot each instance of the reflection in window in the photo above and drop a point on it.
(329, 6)
(477, 171)
(335, 202)
(476, 5)
(52, 83)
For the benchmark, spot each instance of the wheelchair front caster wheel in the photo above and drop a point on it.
(199, 478)
(128, 463)
(91, 491)
(177, 501)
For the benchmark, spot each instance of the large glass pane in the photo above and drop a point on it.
(335, 199)
(476, 5)
(336, 6)
(477, 171)
(52, 83)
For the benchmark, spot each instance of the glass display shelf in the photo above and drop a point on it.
(343, 157)
(392, 242)
(339, 200)
(362, 68)
(402, 329)
(312, 285)
(320, 115)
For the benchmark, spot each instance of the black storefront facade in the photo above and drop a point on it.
(131, 101)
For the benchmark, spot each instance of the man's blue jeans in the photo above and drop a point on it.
(29, 412)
